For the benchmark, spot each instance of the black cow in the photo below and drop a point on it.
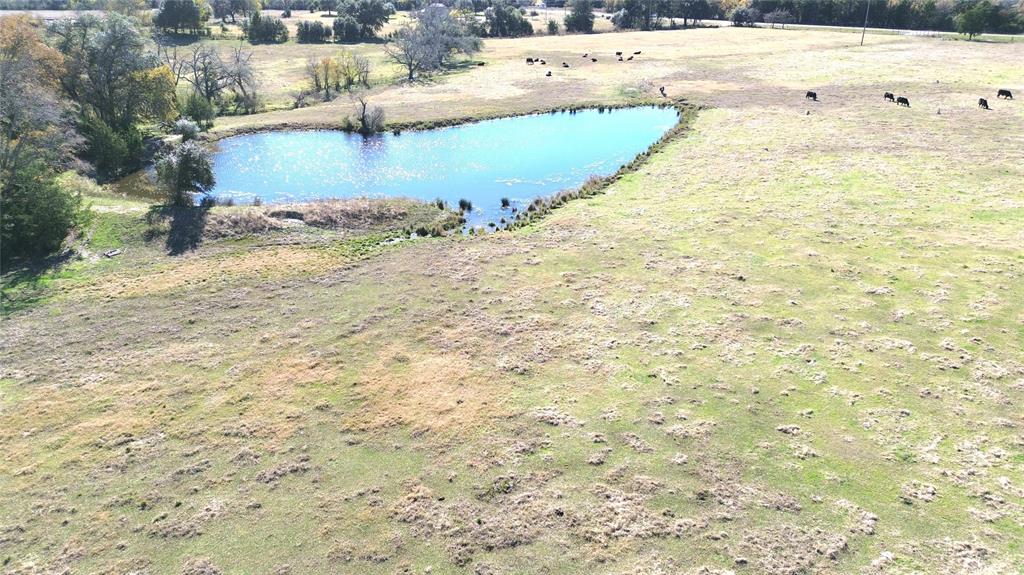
(565, 64)
(637, 53)
(811, 95)
(548, 74)
(889, 97)
(901, 101)
(587, 54)
(543, 63)
(983, 103)
(618, 53)
(1005, 94)
(630, 58)
(529, 60)
(593, 59)
(620, 58)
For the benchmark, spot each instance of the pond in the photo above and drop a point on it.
(518, 158)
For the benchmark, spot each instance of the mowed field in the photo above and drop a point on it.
(791, 342)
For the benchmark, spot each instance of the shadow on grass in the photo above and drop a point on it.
(23, 284)
(184, 226)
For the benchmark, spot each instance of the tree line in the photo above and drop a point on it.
(84, 95)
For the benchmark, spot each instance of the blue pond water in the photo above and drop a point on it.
(519, 158)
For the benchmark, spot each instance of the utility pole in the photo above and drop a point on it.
(863, 31)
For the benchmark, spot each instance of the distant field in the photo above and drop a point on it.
(791, 342)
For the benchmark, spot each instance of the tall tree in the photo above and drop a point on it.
(581, 19)
(36, 139)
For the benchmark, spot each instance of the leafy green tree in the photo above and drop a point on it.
(581, 19)
(371, 15)
(199, 109)
(36, 214)
(346, 29)
(35, 140)
(185, 170)
(975, 20)
(505, 20)
(180, 14)
(312, 32)
(112, 73)
(261, 29)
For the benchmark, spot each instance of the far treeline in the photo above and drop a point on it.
(970, 17)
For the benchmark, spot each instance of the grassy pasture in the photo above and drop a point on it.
(791, 342)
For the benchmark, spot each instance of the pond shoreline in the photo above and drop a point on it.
(423, 125)
(548, 164)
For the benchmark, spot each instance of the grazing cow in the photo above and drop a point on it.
(1003, 93)
(548, 74)
(529, 60)
(811, 95)
(565, 65)
(630, 58)
(620, 58)
(637, 53)
(618, 53)
(983, 103)
(587, 54)
(901, 101)
(889, 97)
(593, 59)
(662, 90)
(543, 63)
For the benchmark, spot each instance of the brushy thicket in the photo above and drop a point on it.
(36, 214)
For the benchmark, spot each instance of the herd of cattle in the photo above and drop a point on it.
(531, 61)
(810, 95)
(903, 101)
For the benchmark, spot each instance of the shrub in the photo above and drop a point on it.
(36, 214)
(199, 109)
(188, 129)
(309, 32)
(346, 29)
(371, 119)
(112, 153)
(552, 27)
(184, 170)
(505, 202)
(465, 205)
(745, 16)
(261, 29)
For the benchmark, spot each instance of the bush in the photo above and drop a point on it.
(36, 215)
(312, 32)
(112, 153)
(261, 29)
(188, 129)
(185, 170)
(552, 27)
(346, 29)
(745, 16)
(199, 109)
(465, 205)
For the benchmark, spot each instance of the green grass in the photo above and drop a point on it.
(853, 271)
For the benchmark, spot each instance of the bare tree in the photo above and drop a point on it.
(206, 72)
(168, 54)
(243, 80)
(371, 120)
(407, 50)
(430, 44)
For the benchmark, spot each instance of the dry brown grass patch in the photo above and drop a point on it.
(442, 392)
